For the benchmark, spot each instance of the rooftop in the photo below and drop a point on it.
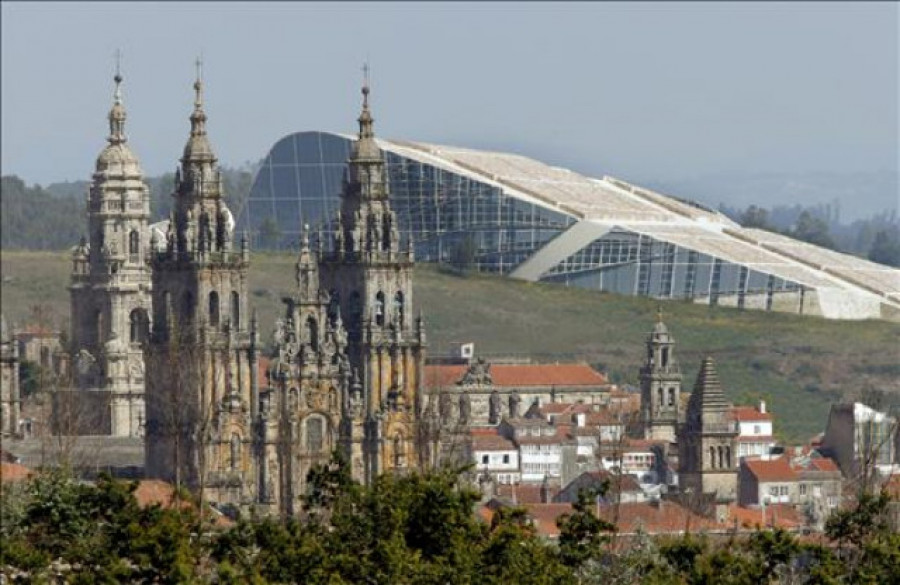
(519, 375)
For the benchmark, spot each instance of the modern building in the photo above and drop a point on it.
(863, 441)
(509, 214)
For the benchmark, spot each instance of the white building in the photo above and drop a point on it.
(755, 434)
(859, 438)
(496, 455)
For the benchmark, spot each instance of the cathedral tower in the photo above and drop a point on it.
(202, 392)
(707, 450)
(660, 386)
(368, 275)
(110, 289)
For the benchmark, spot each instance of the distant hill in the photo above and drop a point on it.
(800, 365)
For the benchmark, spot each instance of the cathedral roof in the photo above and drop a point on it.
(520, 375)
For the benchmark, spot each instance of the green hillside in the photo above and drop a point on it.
(799, 364)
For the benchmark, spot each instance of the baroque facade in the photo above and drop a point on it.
(202, 390)
(110, 289)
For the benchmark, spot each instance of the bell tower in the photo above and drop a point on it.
(110, 289)
(368, 275)
(660, 379)
(202, 385)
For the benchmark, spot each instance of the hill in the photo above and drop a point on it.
(799, 364)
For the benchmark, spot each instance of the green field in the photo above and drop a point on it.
(799, 364)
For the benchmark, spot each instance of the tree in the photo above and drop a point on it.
(755, 217)
(269, 233)
(812, 229)
(582, 533)
(886, 248)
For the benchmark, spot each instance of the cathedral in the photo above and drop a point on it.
(110, 290)
(346, 368)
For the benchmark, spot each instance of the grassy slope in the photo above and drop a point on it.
(800, 364)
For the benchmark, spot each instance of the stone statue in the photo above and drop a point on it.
(445, 408)
(478, 374)
(494, 408)
(465, 408)
(514, 401)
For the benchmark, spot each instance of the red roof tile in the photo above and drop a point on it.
(524, 493)
(749, 414)
(772, 470)
(491, 443)
(14, 472)
(661, 517)
(776, 516)
(519, 375)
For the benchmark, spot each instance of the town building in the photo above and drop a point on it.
(110, 290)
(495, 455)
(502, 390)
(863, 441)
(755, 435)
(537, 222)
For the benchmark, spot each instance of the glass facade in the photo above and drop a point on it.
(455, 218)
(450, 217)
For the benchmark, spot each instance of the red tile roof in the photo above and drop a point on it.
(776, 516)
(661, 517)
(772, 470)
(525, 493)
(14, 472)
(493, 442)
(824, 464)
(520, 375)
(749, 414)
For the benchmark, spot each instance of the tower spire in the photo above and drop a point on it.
(365, 147)
(198, 148)
(117, 112)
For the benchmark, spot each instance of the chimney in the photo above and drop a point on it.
(762, 407)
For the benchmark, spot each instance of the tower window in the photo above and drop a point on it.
(134, 245)
(314, 435)
(137, 326)
(379, 309)
(399, 308)
(235, 310)
(665, 357)
(671, 396)
(312, 333)
(214, 309)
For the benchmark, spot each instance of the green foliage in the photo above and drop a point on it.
(32, 218)
(582, 533)
(813, 229)
(886, 248)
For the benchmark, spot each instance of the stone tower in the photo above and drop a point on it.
(110, 289)
(202, 392)
(308, 390)
(368, 275)
(660, 386)
(707, 450)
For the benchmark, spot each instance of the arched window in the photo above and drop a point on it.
(721, 457)
(659, 397)
(100, 324)
(134, 244)
(214, 309)
(315, 441)
(671, 396)
(728, 457)
(665, 357)
(399, 308)
(712, 457)
(235, 309)
(379, 309)
(137, 322)
(235, 452)
(312, 333)
(334, 305)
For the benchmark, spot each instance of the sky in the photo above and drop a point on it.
(643, 91)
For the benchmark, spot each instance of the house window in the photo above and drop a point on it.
(773, 490)
(506, 459)
(485, 459)
(757, 429)
(802, 489)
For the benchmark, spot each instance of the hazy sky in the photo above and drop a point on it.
(642, 91)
